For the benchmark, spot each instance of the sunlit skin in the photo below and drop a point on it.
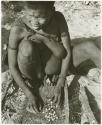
(36, 19)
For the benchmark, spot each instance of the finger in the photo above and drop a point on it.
(53, 79)
(52, 98)
(58, 102)
(35, 108)
(55, 99)
(39, 106)
(42, 104)
(29, 105)
(62, 97)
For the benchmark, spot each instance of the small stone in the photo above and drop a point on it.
(51, 102)
(54, 112)
(52, 119)
(46, 116)
(45, 109)
(49, 120)
(57, 118)
(49, 109)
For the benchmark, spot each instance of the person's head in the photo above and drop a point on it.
(38, 12)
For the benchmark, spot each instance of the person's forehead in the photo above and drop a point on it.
(36, 11)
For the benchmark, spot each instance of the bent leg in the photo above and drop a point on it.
(29, 60)
(84, 51)
(53, 65)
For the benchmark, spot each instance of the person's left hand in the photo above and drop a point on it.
(37, 38)
(58, 92)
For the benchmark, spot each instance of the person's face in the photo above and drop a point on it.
(37, 17)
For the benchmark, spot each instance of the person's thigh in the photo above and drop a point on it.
(29, 61)
(53, 65)
(84, 51)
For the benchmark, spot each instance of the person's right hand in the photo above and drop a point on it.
(32, 104)
(35, 103)
(38, 38)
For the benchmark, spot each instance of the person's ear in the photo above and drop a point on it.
(53, 9)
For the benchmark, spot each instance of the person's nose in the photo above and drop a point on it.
(35, 20)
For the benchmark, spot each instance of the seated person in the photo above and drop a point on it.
(39, 44)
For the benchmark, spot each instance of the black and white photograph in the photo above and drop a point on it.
(50, 62)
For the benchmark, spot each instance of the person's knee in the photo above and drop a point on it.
(76, 50)
(61, 54)
(53, 65)
(90, 45)
(26, 48)
(84, 47)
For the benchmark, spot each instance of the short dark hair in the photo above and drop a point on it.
(40, 4)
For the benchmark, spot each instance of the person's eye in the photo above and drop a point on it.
(42, 18)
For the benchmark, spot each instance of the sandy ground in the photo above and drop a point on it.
(83, 20)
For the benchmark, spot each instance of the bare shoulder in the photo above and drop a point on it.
(17, 31)
(16, 34)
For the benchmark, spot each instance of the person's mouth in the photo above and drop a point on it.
(36, 25)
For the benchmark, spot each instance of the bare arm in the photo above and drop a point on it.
(16, 35)
(56, 47)
(66, 60)
(65, 37)
(64, 71)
